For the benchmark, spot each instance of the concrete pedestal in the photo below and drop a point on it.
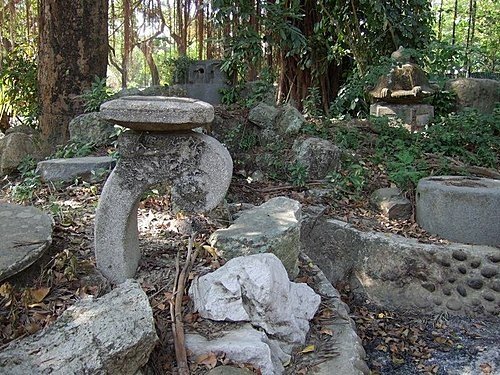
(416, 116)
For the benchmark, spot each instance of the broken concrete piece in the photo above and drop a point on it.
(391, 203)
(26, 234)
(256, 289)
(244, 345)
(114, 334)
(273, 227)
(93, 168)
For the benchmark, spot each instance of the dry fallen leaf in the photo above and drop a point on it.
(209, 360)
(486, 368)
(308, 349)
(39, 294)
(326, 331)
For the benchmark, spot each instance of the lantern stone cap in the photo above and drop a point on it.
(157, 113)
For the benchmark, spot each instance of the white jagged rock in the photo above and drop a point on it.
(244, 345)
(256, 289)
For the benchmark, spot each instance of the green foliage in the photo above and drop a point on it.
(298, 174)
(25, 190)
(369, 29)
(261, 88)
(470, 137)
(351, 179)
(352, 98)
(241, 138)
(312, 103)
(348, 137)
(98, 94)
(18, 85)
(74, 150)
(178, 69)
(230, 95)
(444, 102)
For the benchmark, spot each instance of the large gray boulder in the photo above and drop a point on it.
(26, 234)
(256, 289)
(91, 128)
(92, 168)
(244, 345)
(114, 334)
(273, 227)
(14, 148)
(291, 120)
(481, 94)
(318, 156)
(263, 115)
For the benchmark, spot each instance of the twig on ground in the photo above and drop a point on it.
(175, 302)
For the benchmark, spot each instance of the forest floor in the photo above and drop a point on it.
(395, 342)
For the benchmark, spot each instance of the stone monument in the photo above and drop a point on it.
(400, 93)
(159, 147)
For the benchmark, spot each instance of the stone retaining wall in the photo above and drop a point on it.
(402, 273)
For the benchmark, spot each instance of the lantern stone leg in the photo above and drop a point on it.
(196, 167)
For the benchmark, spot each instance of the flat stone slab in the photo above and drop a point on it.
(460, 209)
(113, 334)
(91, 167)
(26, 233)
(157, 113)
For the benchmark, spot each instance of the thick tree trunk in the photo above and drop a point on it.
(73, 48)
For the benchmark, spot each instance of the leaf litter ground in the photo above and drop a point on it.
(396, 343)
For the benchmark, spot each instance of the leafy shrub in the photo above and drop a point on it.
(74, 150)
(352, 98)
(469, 136)
(25, 190)
(98, 94)
(178, 69)
(351, 179)
(298, 174)
(18, 85)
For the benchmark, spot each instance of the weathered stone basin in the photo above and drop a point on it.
(461, 209)
(158, 113)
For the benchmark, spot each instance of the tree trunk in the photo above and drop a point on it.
(147, 50)
(127, 41)
(73, 49)
(454, 26)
